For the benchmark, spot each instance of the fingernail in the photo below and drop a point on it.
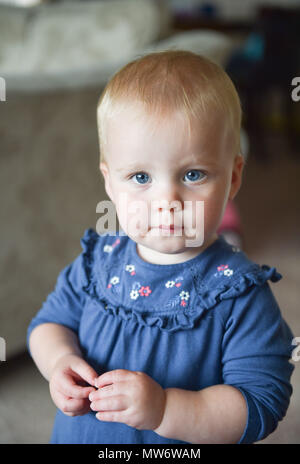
(91, 396)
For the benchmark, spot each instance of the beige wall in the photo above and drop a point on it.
(50, 185)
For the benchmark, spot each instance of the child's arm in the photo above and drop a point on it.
(57, 354)
(216, 414)
(254, 397)
(48, 342)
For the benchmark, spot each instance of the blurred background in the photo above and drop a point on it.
(55, 58)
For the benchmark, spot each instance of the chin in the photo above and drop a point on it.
(166, 245)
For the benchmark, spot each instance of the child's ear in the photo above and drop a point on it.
(105, 172)
(236, 178)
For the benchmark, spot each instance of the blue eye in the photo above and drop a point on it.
(141, 178)
(194, 175)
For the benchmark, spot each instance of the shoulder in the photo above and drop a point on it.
(231, 274)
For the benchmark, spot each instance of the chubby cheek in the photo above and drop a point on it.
(213, 202)
(133, 215)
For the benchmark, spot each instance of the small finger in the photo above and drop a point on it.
(69, 387)
(85, 371)
(80, 412)
(68, 405)
(73, 405)
(109, 416)
(105, 391)
(110, 377)
(113, 403)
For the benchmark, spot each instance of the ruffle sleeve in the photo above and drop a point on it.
(211, 293)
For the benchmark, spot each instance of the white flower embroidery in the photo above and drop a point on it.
(228, 272)
(134, 294)
(184, 295)
(114, 280)
(170, 284)
(107, 248)
(130, 268)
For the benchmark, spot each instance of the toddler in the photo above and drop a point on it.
(164, 332)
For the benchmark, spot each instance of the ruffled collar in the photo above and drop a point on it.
(169, 297)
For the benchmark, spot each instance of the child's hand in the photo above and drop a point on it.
(68, 382)
(130, 397)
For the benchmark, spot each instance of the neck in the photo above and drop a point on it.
(155, 257)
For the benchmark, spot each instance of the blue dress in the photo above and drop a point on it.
(210, 320)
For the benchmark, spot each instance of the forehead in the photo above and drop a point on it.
(132, 132)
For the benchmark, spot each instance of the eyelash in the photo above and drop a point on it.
(199, 171)
(191, 170)
(141, 172)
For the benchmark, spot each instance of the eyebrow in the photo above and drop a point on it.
(139, 167)
(132, 167)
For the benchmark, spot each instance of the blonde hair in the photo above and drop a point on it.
(164, 82)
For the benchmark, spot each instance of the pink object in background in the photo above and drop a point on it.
(231, 226)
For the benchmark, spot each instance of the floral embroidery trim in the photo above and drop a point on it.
(170, 284)
(223, 269)
(183, 296)
(130, 268)
(134, 294)
(109, 248)
(113, 281)
(145, 291)
(228, 272)
(116, 242)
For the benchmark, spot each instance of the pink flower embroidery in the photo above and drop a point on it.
(222, 267)
(183, 303)
(145, 291)
(116, 242)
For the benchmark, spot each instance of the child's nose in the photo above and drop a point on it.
(170, 204)
(169, 198)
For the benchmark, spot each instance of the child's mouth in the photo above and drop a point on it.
(170, 228)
